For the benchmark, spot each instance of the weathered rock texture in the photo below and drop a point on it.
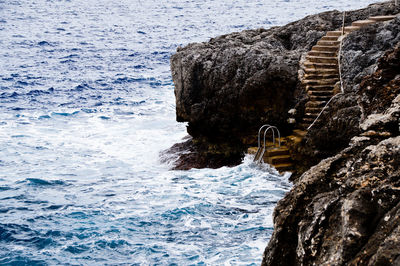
(228, 87)
(346, 209)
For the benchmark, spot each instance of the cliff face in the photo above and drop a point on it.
(230, 86)
(346, 209)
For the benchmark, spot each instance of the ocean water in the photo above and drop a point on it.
(86, 106)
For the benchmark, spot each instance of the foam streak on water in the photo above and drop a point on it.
(87, 104)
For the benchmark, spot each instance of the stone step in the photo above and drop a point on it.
(321, 71)
(324, 48)
(283, 150)
(361, 23)
(326, 81)
(310, 115)
(315, 104)
(314, 109)
(279, 159)
(323, 53)
(304, 126)
(330, 38)
(320, 87)
(320, 93)
(308, 120)
(349, 29)
(319, 98)
(382, 18)
(334, 33)
(309, 64)
(322, 59)
(284, 167)
(299, 133)
(321, 76)
(329, 43)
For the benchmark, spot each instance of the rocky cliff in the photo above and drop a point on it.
(228, 87)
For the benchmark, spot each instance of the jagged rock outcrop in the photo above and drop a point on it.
(228, 87)
(346, 209)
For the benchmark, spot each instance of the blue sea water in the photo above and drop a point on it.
(86, 106)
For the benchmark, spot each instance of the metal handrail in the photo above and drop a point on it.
(260, 152)
(273, 135)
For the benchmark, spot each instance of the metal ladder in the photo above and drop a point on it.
(261, 150)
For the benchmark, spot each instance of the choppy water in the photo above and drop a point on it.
(86, 105)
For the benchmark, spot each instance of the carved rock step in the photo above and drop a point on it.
(325, 81)
(323, 53)
(319, 98)
(320, 87)
(314, 109)
(382, 18)
(321, 76)
(279, 159)
(309, 64)
(361, 23)
(315, 104)
(329, 38)
(283, 150)
(324, 48)
(320, 93)
(311, 115)
(321, 71)
(269, 152)
(308, 120)
(322, 59)
(349, 29)
(299, 133)
(329, 43)
(334, 33)
(304, 125)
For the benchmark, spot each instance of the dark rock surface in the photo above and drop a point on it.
(346, 209)
(228, 87)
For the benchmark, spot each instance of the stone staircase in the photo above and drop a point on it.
(321, 69)
(320, 78)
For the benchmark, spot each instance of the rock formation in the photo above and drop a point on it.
(346, 209)
(228, 87)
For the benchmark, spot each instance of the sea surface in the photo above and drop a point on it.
(86, 106)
